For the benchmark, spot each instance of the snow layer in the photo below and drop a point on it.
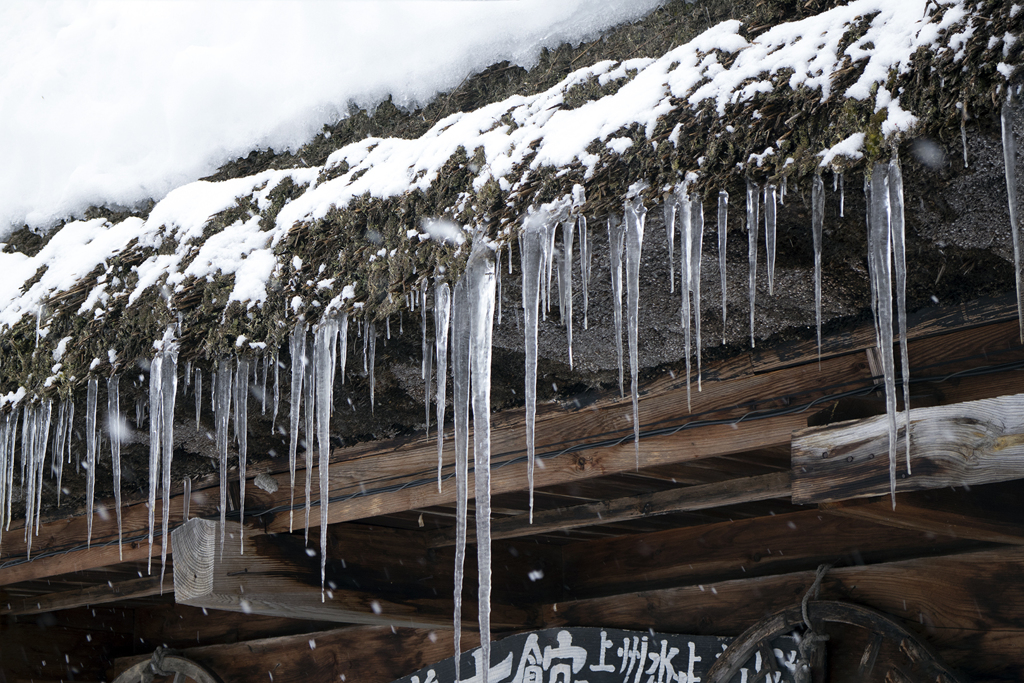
(119, 102)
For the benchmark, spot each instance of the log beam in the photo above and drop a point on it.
(970, 443)
(82, 597)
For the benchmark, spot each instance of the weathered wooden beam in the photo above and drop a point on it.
(91, 595)
(909, 514)
(969, 606)
(737, 549)
(276, 575)
(976, 442)
(368, 654)
(701, 497)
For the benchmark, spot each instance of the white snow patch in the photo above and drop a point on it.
(850, 147)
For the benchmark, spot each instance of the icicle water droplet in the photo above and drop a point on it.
(297, 351)
(169, 389)
(442, 321)
(531, 260)
(752, 227)
(241, 402)
(636, 215)
(770, 207)
(1010, 169)
(616, 235)
(900, 264)
(222, 414)
(116, 433)
(882, 279)
(817, 221)
(669, 215)
(723, 217)
(460, 370)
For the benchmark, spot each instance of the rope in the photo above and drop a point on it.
(156, 665)
(811, 639)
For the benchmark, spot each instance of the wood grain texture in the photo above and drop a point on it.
(968, 443)
(367, 654)
(730, 492)
(93, 595)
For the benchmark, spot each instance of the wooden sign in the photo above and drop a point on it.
(605, 655)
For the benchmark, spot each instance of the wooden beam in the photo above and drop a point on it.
(701, 497)
(969, 443)
(277, 576)
(368, 654)
(908, 514)
(969, 606)
(738, 549)
(92, 595)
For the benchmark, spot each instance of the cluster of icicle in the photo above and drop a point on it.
(463, 322)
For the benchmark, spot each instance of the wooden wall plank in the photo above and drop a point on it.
(92, 595)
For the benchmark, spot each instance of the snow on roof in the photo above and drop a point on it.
(243, 255)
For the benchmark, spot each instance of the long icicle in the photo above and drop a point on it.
(324, 353)
(480, 276)
(752, 199)
(60, 441)
(636, 215)
(169, 389)
(817, 222)
(616, 236)
(723, 234)
(309, 398)
(899, 253)
(669, 216)
(442, 321)
(683, 211)
(460, 370)
(531, 259)
(426, 355)
(770, 208)
(880, 260)
(565, 282)
(222, 413)
(585, 266)
(697, 234)
(90, 459)
(116, 429)
(1010, 169)
(297, 351)
(241, 402)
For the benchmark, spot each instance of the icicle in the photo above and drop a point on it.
(636, 215)
(669, 213)
(11, 442)
(480, 286)
(442, 320)
(222, 413)
(387, 327)
(324, 353)
(900, 264)
(963, 129)
(169, 389)
(371, 351)
(882, 281)
(531, 256)
(116, 431)
(28, 473)
(549, 262)
(309, 398)
(426, 356)
(90, 460)
(42, 438)
(782, 192)
(186, 498)
(1010, 168)
(684, 210)
(343, 344)
(842, 196)
(752, 228)
(697, 216)
(565, 283)
(198, 395)
(297, 350)
(723, 216)
(263, 386)
(616, 236)
(277, 390)
(61, 440)
(817, 221)
(585, 266)
(5, 433)
(460, 370)
(770, 201)
(497, 280)
(241, 402)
